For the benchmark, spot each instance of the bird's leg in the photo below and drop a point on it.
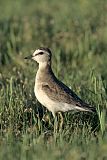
(55, 123)
(58, 126)
(61, 121)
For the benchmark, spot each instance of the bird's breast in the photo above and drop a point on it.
(42, 97)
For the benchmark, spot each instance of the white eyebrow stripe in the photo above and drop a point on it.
(38, 51)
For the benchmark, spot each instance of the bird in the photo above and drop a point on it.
(50, 91)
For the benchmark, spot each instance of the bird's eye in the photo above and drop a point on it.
(40, 53)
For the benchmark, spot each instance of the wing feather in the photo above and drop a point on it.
(58, 91)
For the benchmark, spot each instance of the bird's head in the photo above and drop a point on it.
(41, 55)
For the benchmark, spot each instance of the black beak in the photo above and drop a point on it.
(28, 57)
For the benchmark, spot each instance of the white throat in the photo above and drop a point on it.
(43, 65)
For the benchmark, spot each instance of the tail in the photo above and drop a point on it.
(86, 108)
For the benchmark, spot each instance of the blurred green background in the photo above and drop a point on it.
(76, 32)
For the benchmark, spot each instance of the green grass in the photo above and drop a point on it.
(76, 32)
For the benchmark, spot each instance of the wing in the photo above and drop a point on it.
(60, 92)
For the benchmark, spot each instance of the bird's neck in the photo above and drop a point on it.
(44, 66)
(44, 72)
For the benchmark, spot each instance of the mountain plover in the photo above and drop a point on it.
(52, 93)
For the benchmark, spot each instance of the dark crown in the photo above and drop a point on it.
(46, 49)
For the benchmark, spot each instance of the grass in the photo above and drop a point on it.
(76, 32)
